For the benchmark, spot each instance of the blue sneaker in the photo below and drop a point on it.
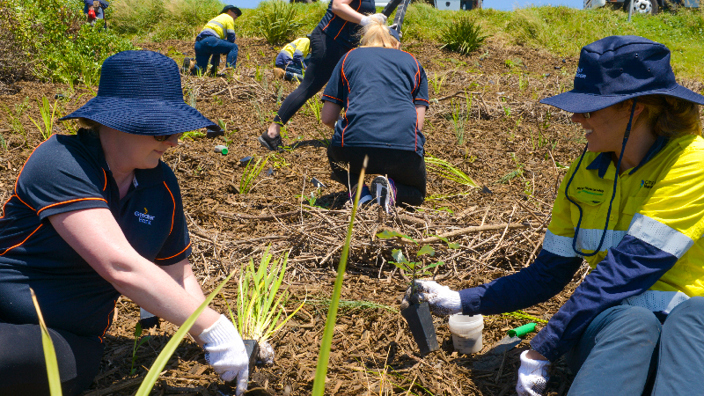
(384, 192)
(364, 198)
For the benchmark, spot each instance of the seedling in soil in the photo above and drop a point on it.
(448, 171)
(138, 341)
(251, 172)
(261, 303)
(48, 113)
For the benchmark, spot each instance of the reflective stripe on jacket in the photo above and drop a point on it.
(222, 27)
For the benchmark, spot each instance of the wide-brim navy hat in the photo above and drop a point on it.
(140, 93)
(618, 68)
(229, 7)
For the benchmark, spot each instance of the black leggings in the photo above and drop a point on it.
(406, 168)
(22, 365)
(325, 53)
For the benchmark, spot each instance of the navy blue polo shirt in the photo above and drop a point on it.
(342, 31)
(379, 89)
(67, 173)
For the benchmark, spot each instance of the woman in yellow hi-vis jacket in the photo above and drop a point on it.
(632, 206)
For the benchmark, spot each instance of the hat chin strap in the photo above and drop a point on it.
(613, 194)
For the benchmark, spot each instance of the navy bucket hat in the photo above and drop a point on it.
(618, 68)
(140, 93)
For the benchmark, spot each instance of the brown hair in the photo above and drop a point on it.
(85, 123)
(376, 34)
(669, 116)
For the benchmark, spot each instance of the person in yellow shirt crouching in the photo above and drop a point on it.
(291, 60)
(216, 38)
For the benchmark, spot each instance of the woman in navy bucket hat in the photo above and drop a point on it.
(632, 206)
(96, 215)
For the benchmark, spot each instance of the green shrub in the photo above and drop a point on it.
(52, 35)
(276, 21)
(462, 35)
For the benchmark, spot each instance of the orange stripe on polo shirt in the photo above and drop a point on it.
(111, 314)
(184, 249)
(344, 78)
(23, 165)
(330, 21)
(71, 201)
(173, 212)
(25, 240)
(332, 97)
(105, 175)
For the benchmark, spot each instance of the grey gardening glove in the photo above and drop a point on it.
(532, 376)
(442, 300)
(225, 351)
(366, 20)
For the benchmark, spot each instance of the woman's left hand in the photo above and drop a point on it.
(532, 375)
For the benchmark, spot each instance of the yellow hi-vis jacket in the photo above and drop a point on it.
(222, 27)
(298, 46)
(660, 203)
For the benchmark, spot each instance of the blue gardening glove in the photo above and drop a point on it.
(442, 300)
(225, 351)
(532, 376)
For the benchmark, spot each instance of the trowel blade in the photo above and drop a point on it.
(505, 344)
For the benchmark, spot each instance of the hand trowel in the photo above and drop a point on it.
(512, 339)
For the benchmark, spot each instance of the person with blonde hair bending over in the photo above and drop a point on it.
(335, 34)
(384, 92)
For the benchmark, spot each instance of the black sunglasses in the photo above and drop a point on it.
(163, 138)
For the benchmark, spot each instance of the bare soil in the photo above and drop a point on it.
(514, 148)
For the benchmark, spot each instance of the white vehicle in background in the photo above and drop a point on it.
(640, 6)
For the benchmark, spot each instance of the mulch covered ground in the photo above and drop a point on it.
(514, 149)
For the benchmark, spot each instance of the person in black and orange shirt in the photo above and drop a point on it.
(336, 34)
(384, 92)
(96, 215)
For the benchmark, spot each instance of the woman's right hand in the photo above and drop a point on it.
(368, 19)
(443, 301)
(225, 351)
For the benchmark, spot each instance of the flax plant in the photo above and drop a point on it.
(261, 303)
(48, 113)
(324, 355)
(448, 171)
(251, 172)
(52, 366)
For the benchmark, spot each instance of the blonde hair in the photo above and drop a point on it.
(669, 116)
(376, 34)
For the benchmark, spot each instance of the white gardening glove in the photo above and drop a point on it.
(532, 376)
(366, 20)
(442, 300)
(224, 350)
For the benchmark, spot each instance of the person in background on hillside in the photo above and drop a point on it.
(94, 10)
(632, 206)
(331, 39)
(291, 60)
(217, 37)
(384, 92)
(96, 215)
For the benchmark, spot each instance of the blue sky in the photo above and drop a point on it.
(503, 5)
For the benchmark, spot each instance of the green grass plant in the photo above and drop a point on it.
(251, 172)
(326, 343)
(463, 35)
(276, 21)
(48, 113)
(448, 171)
(52, 365)
(261, 302)
(354, 305)
(458, 121)
(138, 341)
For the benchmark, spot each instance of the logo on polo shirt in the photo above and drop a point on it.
(144, 217)
(580, 73)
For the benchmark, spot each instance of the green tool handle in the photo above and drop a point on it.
(522, 330)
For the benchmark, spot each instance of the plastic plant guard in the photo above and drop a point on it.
(420, 322)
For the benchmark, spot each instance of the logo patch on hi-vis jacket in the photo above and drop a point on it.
(144, 217)
(595, 195)
(647, 183)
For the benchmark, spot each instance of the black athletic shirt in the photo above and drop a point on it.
(379, 88)
(344, 32)
(67, 173)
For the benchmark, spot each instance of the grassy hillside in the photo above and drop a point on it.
(560, 30)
